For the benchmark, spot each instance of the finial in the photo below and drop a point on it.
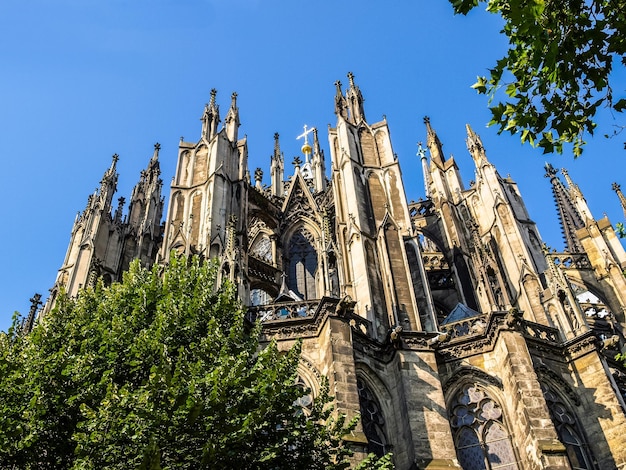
(233, 97)
(258, 177)
(276, 145)
(297, 161)
(213, 95)
(116, 157)
(615, 187)
(157, 147)
(550, 171)
(306, 148)
(35, 301)
(420, 151)
(338, 85)
(351, 78)
(426, 120)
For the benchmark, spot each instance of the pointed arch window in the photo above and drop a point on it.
(259, 296)
(262, 248)
(302, 264)
(481, 438)
(568, 430)
(372, 420)
(305, 402)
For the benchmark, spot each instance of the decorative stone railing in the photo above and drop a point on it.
(466, 327)
(538, 331)
(360, 324)
(282, 311)
(477, 326)
(570, 260)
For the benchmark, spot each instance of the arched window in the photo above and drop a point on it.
(372, 420)
(259, 297)
(302, 264)
(305, 402)
(480, 435)
(568, 430)
(262, 248)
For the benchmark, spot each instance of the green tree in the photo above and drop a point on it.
(556, 73)
(159, 371)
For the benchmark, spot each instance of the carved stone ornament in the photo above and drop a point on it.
(470, 345)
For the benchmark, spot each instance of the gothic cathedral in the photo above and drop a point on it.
(447, 324)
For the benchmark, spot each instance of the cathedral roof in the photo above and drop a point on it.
(458, 313)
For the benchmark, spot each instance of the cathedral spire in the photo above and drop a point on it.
(434, 144)
(211, 117)
(277, 168)
(622, 200)
(475, 146)
(317, 163)
(569, 216)
(108, 184)
(573, 189)
(155, 154)
(355, 101)
(146, 204)
(232, 119)
(341, 107)
(421, 153)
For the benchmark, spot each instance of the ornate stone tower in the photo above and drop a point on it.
(522, 325)
(380, 268)
(206, 213)
(102, 242)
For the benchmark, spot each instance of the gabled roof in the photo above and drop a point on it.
(458, 313)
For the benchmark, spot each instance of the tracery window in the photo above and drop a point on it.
(302, 264)
(262, 248)
(372, 420)
(480, 435)
(305, 402)
(259, 297)
(568, 431)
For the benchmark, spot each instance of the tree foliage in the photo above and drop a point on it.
(556, 73)
(159, 371)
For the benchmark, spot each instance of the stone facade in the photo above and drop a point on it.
(460, 339)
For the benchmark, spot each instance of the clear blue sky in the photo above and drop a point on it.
(83, 79)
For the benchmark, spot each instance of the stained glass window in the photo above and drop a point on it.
(302, 264)
(481, 438)
(567, 429)
(372, 420)
(262, 248)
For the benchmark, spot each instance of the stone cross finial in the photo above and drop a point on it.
(258, 175)
(351, 78)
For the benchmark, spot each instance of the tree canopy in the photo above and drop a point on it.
(557, 71)
(159, 371)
